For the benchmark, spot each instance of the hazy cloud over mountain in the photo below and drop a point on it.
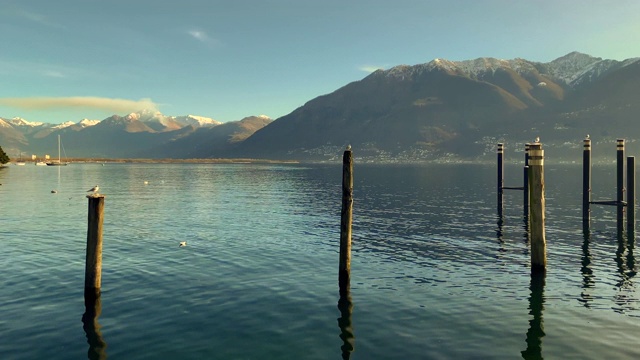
(116, 105)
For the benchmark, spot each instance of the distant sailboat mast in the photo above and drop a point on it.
(59, 163)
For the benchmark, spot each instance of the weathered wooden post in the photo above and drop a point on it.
(93, 265)
(620, 183)
(525, 183)
(344, 271)
(631, 194)
(537, 208)
(586, 183)
(500, 152)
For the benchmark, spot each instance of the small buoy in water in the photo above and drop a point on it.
(54, 191)
(146, 182)
(182, 244)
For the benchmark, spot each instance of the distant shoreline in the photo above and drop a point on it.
(180, 161)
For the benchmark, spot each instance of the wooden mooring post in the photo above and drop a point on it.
(537, 208)
(525, 182)
(500, 153)
(620, 183)
(619, 201)
(586, 184)
(93, 264)
(631, 194)
(344, 271)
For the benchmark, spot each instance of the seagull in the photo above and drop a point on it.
(94, 189)
(348, 147)
(146, 182)
(182, 244)
(54, 191)
(587, 136)
(537, 139)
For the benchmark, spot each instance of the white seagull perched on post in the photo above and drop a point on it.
(94, 189)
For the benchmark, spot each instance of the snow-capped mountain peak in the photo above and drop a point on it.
(199, 121)
(18, 121)
(63, 125)
(87, 122)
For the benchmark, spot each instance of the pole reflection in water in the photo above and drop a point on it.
(587, 272)
(536, 326)
(500, 233)
(345, 305)
(631, 260)
(93, 308)
(625, 261)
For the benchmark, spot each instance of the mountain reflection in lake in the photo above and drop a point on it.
(434, 272)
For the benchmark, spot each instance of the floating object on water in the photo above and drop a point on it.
(146, 182)
(182, 244)
(94, 189)
(54, 191)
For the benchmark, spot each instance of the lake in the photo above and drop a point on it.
(435, 273)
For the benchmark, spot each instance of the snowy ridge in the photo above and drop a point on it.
(199, 121)
(86, 122)
(22, 122)
(572, 69)
(4, 123)
(63, 125)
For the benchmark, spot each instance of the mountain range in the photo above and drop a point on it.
(437, 110)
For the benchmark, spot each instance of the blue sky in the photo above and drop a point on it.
(66, 60)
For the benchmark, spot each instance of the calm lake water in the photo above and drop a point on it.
(435, 273)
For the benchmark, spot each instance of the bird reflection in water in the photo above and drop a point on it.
(536, 324)
(345, 305)
(93, 308)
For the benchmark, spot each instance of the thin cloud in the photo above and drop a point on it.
(53, 74)
(110, 104)
(202, 37)
(38, 19)
(370, 68)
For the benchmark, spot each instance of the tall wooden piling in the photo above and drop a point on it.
(620, 173)
(500, 189)
(525, 181)
(344, 271)
(631, 193)
(586, 184)
(537, 208)
(93, 265)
